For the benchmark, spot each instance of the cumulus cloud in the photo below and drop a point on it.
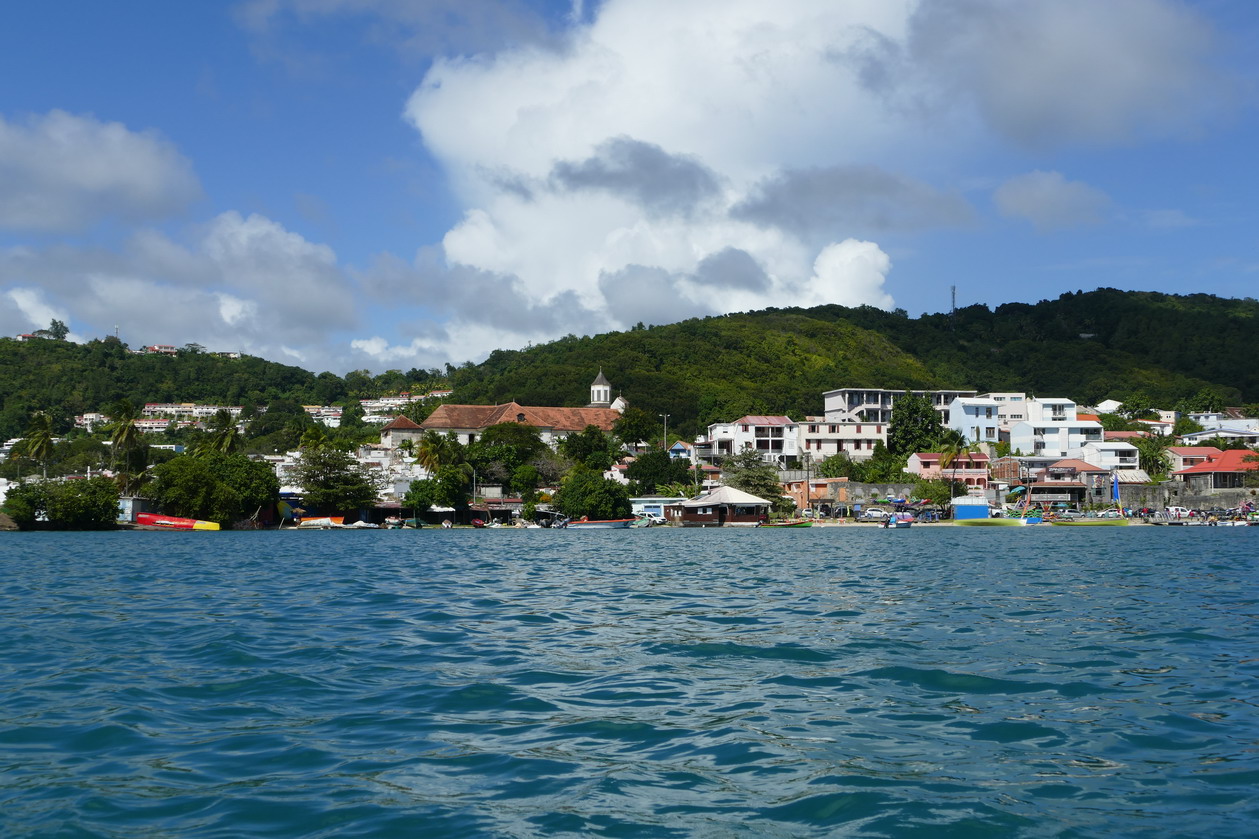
(826, 201)
(1069, 71)
(640, 172)
(62, 172)
(1050, 202)
(236, 283)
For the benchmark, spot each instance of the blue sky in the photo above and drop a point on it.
(377, 184)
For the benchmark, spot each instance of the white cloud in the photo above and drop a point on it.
(61, 172)
(237, 283)
(1067, 71)
(1050, 202)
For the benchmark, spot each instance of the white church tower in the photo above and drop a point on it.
(600, 392)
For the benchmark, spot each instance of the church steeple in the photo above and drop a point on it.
(600, 392)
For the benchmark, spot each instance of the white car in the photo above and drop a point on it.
(874, 514)
(654, 518)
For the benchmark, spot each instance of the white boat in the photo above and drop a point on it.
(599, 524)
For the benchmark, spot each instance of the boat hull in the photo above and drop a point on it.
(600, 524)
(997, 522)
(174, 522)
(805, 523)
(1091, 523)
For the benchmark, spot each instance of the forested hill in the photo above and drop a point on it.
(1086, 346)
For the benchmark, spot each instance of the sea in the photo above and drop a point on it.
(663, 682)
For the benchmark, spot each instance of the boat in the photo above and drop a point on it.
(1003, 521)
(1089, 522)
(321, 522)
(174, 522)
(584, 523)
(787, 523)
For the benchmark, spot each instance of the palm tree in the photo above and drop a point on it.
(224, 436)
(37, 444)
(313, 437)
(123, 434)
(953, 452)
(437, 450)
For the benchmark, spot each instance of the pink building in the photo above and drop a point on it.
(969, 468)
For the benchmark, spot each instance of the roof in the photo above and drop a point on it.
(1233, 460)
(1124, 435)
(726, 495)
(1089, 417)
(601, 380)
(401, 423)
(760, 420)
(1194, 451)
(450, 417)
(1077, 465)
(974, 456)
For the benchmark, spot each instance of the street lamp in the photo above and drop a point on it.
(665, 439)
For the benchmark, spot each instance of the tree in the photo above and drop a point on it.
(838, 465)
(37, 443)
(653, 469)
(591, 448)
(914, 427)
(505, 447)
(883, 467)
(128, 455)
(586, 492)
(224, 437)
(1118, 422)
(937, 492)
(334, 482)
(87, 504)
(436, 450)
(634, 426)
(1138, 406)
(1152, 453)
(746, 471)
(214, 486)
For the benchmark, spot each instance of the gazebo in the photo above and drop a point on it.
(723, 506)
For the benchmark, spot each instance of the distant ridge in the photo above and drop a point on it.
(1084, 345)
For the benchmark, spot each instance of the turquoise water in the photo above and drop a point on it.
(946, 682)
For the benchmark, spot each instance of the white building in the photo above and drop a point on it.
(976, 418)
(776, 439)
(865, 404)
(1053, 429)
(1011, 409)
(819, 439)
(1110, 454)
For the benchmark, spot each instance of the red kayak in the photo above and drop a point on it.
(175, 522)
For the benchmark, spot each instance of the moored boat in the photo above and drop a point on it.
(174, 522)
(599, 524)
(787, 523)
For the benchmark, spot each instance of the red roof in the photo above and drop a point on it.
(1077, 465)
(1087, 417)
(1233, 460)
(401, 423)
(1124, 435)
(450, 417)
(760, 420)
(1194, 451)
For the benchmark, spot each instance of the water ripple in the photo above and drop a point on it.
(1041, 683)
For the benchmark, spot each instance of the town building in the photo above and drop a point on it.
(1068, 482)
(1227, 470)
(969, 468)
(1052, 429)
(1182, 457)
(724, 506)
(820, 439)
(468, 422)
(775, 439)
(864, 404)
(976, 418)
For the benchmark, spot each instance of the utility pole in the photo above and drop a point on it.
(665, 440)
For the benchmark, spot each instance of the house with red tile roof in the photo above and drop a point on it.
(402, 428)
(468, 422)
(1182, 457)
(1227, 470)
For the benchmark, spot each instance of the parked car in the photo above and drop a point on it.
(1178, 512)
(873, 514)
(654, 518)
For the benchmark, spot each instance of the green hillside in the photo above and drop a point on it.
(1086, 346)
